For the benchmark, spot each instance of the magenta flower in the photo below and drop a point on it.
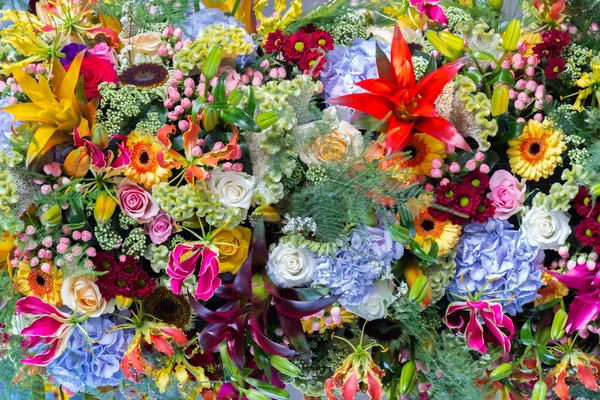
(431, 10)
(53, 328)
(182, 263)
(492, 317)
(586, 305)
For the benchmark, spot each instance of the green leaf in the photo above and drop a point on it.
(431, 66)
(211, 65)
(526, 335)
(219, 92)
(235, 97)
(474, 75)
(267, 119)
(240, 118)
(433, 250)
(418, 251)
(514, 130)
(370, 124)
(253, 394)
(251, 103)
(399, 233)
(262, 361)
(546, 356)
(285, 366)
(482, 55)
(196, 107)
(268, 389)
(505, 76)
(231, 371)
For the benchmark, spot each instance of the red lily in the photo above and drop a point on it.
(406, 105)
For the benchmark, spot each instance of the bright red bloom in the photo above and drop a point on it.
(96, 70)
(125, 278)
(274, 42)
(312, 61)
(554, 42)
(406, 105)
(296, 45)
(588, 232)
(554, 68)
(323, 39)
(462, 201)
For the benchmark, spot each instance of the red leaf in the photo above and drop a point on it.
(378, 86)
(443, 130)
(398, 134)
(377, 106)
(402, 61)
(431, 85)
(384, 66)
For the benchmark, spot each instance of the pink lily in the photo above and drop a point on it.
(99, 160)
(182, 263)
(431, 10)
(491, 315)
(586, 305)
(52, 328)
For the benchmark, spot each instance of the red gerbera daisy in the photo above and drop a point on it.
(297, 45)
(274, 42)
(554, 68)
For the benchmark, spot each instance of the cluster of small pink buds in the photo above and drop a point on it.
(439, 168)
(572, 261)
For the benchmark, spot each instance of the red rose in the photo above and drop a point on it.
(96, 70)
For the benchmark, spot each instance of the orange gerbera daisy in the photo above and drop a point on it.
(35, 282)
(429, 230)
(144, 167)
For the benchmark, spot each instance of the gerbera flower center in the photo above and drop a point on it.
(39, 282)
(144, 157)
(428, 225)
(534, 148)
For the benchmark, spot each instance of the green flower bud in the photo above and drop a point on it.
(407, 377)
(501, 372)
(512, 35)
(558, 325)
(211, 65)
(500, 100)
(496, 4)
(53, 216)
(419, 289)
(210, 118)
(448, 44)
(539, 391)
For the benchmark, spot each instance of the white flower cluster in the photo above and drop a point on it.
(298, 224)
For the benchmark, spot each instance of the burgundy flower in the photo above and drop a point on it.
(554, 68)
(554, 42)
(484, 211)
(274, 42)
(312, 61)
(582, 203)
(463, 200)
(125, 278)
(478, 180)
(324, 39)
(588, 233)
(296, 45)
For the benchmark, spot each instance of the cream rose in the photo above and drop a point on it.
(546, 229)
(235, 189)
(81, 294)
(291, 266)
(386, 35)
(376, 304)
(145, 46)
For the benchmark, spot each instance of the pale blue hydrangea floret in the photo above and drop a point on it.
(353, 270)
(347, 65)
(497, 256)
(93, 362)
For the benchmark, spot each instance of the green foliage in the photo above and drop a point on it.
(325, 14)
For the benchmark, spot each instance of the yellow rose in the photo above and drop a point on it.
(233, 248)
(145, 46)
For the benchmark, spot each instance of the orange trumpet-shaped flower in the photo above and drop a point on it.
(406, 105)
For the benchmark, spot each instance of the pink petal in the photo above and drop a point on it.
(474, 335)
(32, 305)
(46, 326)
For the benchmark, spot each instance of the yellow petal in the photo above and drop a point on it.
(44, 139)
(45, 90)
(30, 86)
(25, 111)
(67, 87)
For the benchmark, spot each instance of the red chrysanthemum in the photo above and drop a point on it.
(462, 202)
(554, 42)
(478, 180)
(588, 233)
(125, 278)
(484, 211)
(274, 42)
(297, 45)
(582, 203)
(312, 61)
(554, 68)
(323, 39)
(444, 194)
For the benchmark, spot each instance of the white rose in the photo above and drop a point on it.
(546, 229)
(235, 189)
(291, 266)
(82, 295)
(376, 304)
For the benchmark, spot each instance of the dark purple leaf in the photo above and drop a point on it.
(292, 327)
(226, 315)
(209, 339)
(259, 246)
(242, 284)
(267, 344)
(299, 309)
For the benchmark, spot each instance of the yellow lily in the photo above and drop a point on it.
(590, 84)
(65, 16)
(281, 18)
(58, 110)
(7, 243)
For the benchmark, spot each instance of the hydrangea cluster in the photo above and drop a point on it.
(92, 358)
(496, 260)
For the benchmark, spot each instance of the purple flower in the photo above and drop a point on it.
(377, 243)
(71, 50)
(500, 258)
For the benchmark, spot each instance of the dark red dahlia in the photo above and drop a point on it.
(312, 61)
(554, 68)
(554, 42)
(444, 194)
(462, 201)
(297, 45)
(124, 278)
(484, 211)
(588, 233)
(274, 42)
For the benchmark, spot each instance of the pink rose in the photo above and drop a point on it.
(136, 202)
(508, 194)
(102, 50)
(159, 228)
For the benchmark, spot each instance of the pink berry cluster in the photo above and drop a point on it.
(572, 261)
(442, 170)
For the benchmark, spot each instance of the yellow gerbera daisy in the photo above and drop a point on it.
(536, 152)
(144, 167)
(419, 152)
(35, 282)
(429, 229)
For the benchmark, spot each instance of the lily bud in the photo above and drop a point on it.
(104, 208)
(407, 377)
(412, 273)
(100, 137)
(496, 4)
(77, 163)
(211, 65)
(53, 216)
(539, 391)
(512, 35)
(500, 100)
(558, 325)
(419, 289)
(123, 302)
(269, 213)
(448, 44)
(501, 372)
(210, 119)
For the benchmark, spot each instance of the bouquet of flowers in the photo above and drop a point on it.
(394, 197)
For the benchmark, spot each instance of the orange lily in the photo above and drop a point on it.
(58, 109)
(587, 366)
(193, 161)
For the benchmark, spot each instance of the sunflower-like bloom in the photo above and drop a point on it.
(57, 109)
(429, 230)
(419, 152)
(536, 153)
(35, 282)
(144, 167)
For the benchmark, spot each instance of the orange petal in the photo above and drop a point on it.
(586, 376)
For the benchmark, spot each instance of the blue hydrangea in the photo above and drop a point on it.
(353, 270)
(94, 361)
(347, 65)
(6, 120)
(497, 256)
